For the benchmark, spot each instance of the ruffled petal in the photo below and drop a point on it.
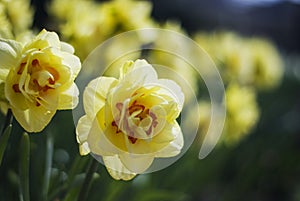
(116, 169)
(173, 90)
(174, 146)
(10, 53)
(69, 98)
(73, 62)
(135, 162)
(98, 143)
(82, 130)
(95, 94)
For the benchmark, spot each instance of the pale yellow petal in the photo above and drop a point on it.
(10, 53)
(34, 119)
(73, 62)
(98, 143)
(173, 89)
(67, 47)
(139, 75)
(95, 93)
(69, 98)
(49, 36)
(3, 74)
(116, 169)
(137, 163)
(174, 146)
(83, 128)
(84, 149)
(15, 99)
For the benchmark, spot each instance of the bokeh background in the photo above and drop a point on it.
(256, 46)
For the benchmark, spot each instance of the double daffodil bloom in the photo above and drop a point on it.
(39, 78)
(131, 120)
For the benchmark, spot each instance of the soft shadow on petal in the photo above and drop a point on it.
(98, 142)
(82, 130)
(175, 146)
(95, 93)
(136, 163)
(49, 36)
(15, 99)
(10, 53)
(33, 119)
(116, 169)
(67, 47)
(139, 76)
(69, 98)
(73, 62)
(174, 89)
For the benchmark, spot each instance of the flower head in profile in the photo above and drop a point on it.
(39, 78)
(131, 120)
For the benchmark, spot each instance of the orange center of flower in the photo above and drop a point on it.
(137, 113)
(38, 81)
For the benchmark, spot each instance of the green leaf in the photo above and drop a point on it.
(24, 167)
(3, 141)
(48, 165)
(88, 180)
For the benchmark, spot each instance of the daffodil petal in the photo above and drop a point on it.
(69, 98)
(67, 47)
(95, 94)
(84, 149)
(15, 99)
(116, 169)
(174, 90)
(83, 128)
(10, 52)
(136, 163)
(174, 146)
(140, 75)
(98, 142)
(33, 119)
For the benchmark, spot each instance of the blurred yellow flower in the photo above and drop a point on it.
(247, 61)
(13, 22)
(86, 24)
(242, 113)
(267, 63)
(39, 78)
(131, 120)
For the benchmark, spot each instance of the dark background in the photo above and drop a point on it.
(278, 20)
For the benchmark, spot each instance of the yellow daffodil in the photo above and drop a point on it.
(39, 78)
(131, 120)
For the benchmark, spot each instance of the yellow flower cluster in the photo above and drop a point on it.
(246, 65)
(248, 61)
(38, 78)
(242, 114)
(86, 24)
(16, 18)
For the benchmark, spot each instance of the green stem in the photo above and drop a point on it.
(48, 165)
(88, 181)
(3, 141)
(24, 167)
